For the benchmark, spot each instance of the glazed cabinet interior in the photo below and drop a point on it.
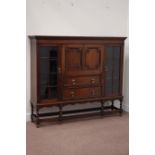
(70, 70)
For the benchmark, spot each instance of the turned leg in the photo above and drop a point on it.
(112, 105)
(102, 108)
(60, 113)
(32, 109)
(37, 118)
(120, 111)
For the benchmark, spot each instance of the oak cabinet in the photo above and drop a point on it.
(70, 70)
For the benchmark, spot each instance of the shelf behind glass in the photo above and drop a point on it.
(49, 58)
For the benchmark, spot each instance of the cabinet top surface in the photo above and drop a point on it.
(77, 37)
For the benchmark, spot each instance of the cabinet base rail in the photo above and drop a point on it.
(103, 111)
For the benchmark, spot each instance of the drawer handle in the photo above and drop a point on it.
(92, 81)
(72, 93)
(74, 82)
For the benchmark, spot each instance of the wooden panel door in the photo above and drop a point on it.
(73, 59)
(83, 59)
(93, 59)
(113, 69)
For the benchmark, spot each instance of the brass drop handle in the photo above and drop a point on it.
(72, 93)
(93, 80)
(74, 81)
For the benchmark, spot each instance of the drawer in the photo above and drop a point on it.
(85, 81)
(81, 93)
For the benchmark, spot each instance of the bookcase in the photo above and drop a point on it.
(71, 70)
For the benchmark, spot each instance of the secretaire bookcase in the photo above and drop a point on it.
(71, 70)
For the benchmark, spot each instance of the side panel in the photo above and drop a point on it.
(33, 71)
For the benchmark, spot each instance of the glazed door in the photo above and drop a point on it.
(113, 68)
(48, 75)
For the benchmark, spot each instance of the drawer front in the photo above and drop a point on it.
(86, 81)
(82, 93)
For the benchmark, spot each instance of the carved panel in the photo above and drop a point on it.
(92, 58)
(73, 59)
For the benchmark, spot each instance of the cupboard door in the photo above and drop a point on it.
(93, 56)
(83, 59)
(73, 59)
(112, 70)
(47, 72)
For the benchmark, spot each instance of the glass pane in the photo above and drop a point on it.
(116, 86)
(116, 62)
(44, 79)
(44, 66)
(117, 52)
(48, 52)
(116, 70)
(109, 62)
(48, 79)
(48, 92)
(48, 72)
(109, 52)
(53, 79)
(109, 71)
(53, 66)
(108, 87)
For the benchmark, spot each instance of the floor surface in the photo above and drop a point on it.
(84, 136)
